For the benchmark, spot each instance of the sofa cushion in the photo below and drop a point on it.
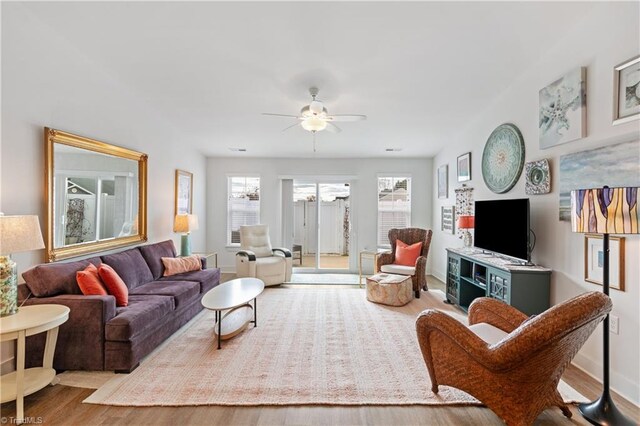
(130, 266)
(180, 265)
(183, 292)
(152, 254)
(208, 278)
(398, 269)
(114, 284)
(89, 281)
(50, 279)
(144, 312)
(406, 254)
(488, 333)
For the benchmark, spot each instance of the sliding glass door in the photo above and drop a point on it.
(321, 225)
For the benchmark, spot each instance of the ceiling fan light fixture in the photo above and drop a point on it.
(313, 124)
(316, 107)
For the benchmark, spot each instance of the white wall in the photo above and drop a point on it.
(608, 36)
(46, 82)
(363, 194)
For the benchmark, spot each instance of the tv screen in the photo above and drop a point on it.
(502, 226)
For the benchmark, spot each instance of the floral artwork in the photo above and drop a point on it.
(464, 206)
(562, 114)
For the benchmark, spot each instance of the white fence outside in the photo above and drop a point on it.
(334, 235)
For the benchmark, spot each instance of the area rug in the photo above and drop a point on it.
(327, 279)
(312, 346)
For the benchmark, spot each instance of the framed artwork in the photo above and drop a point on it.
(503, 158)
(538, 177)
(184, 192)
(562, 115)
(626, 91)
(464, 167)
(443, 181)
(612, 165)
(448, 219)
(594, 258)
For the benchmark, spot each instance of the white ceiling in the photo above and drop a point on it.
(419, 71)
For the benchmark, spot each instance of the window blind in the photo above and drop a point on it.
(243, 206)
(394, 206)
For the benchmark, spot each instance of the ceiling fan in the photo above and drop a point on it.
(315, 118)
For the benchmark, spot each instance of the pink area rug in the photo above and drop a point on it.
(312, 346)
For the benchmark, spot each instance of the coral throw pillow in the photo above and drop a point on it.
(114, 284)
(89, 281)
(407, 255)
(179, 265)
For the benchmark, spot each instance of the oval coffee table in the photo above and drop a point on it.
(234, 297)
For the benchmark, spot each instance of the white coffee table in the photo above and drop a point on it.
(234, 297)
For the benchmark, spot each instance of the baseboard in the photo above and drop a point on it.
(7, 366)
(625, 387)
(439, 275)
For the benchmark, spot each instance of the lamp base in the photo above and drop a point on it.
(467, 239)
(603, 412)
(185, 245)
(8, 286)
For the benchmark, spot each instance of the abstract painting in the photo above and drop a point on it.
(612, 165)
(563, 109)
(443, 184)
(626, 106)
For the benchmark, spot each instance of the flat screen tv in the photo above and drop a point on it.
(502, 226)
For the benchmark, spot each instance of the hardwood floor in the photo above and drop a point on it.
(63, 405)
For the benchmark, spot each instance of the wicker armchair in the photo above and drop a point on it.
(384, 261)
(516, 371)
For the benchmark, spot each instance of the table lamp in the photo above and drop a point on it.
(185, 223)
(17, 234)
(605, 211)
(466, 222)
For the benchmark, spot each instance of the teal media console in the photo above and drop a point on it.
(472, 273)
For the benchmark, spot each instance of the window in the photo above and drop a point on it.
(243, 206)
(394, 206)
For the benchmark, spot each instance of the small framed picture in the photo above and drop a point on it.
(448, 219)
(626, 91)
(184, 192)
(443, 181)
(464, 167)
(594, 260)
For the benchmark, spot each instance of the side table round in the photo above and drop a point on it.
(28, 321)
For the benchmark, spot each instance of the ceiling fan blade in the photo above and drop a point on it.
(346, 117)
(333, 128)
(293, 125)
(280, 115)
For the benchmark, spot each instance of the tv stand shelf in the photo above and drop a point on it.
(471, 273)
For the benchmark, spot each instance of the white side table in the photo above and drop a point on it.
(28, 321)
(208, 255)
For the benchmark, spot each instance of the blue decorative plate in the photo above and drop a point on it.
(503, 158)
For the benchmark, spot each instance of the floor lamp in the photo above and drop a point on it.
(605, 211)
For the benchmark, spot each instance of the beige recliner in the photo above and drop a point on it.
(258, 259)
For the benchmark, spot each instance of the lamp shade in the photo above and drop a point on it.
(605, 210)
(185, 223)
(466, 222)
(314, 124)
(20, 233)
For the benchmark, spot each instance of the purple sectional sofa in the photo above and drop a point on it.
(101, 336)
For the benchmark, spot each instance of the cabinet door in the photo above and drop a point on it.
(453, 278)
(499, 285)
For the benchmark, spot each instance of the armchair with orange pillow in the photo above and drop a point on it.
(408, 256)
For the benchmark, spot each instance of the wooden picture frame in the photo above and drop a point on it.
(183, 192)
(464, 167)
(625, 88)
(443, 181)
(593, 257)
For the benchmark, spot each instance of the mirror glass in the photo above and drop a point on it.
(94, 196)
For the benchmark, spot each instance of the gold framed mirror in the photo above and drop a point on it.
(96, 195)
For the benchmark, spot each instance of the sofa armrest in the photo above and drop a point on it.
(247, 253)
(80, 344)
(384, 258)
(286, 252)
(203, 262)
(495, 313)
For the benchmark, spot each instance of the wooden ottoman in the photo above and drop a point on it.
(390, 289)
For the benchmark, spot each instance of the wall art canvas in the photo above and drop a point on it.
(443, 181)
(611, 165)
(464, 205)
(626, 89)
(563, 109)
(538, 177)
(464, 167)
(448, 219)
(184, 192)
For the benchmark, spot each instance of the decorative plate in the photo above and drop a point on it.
(503, 158)
(538, 177)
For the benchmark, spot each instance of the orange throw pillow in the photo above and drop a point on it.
(407, 255)
(179, 265)
(89, 281)
(114, 284)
